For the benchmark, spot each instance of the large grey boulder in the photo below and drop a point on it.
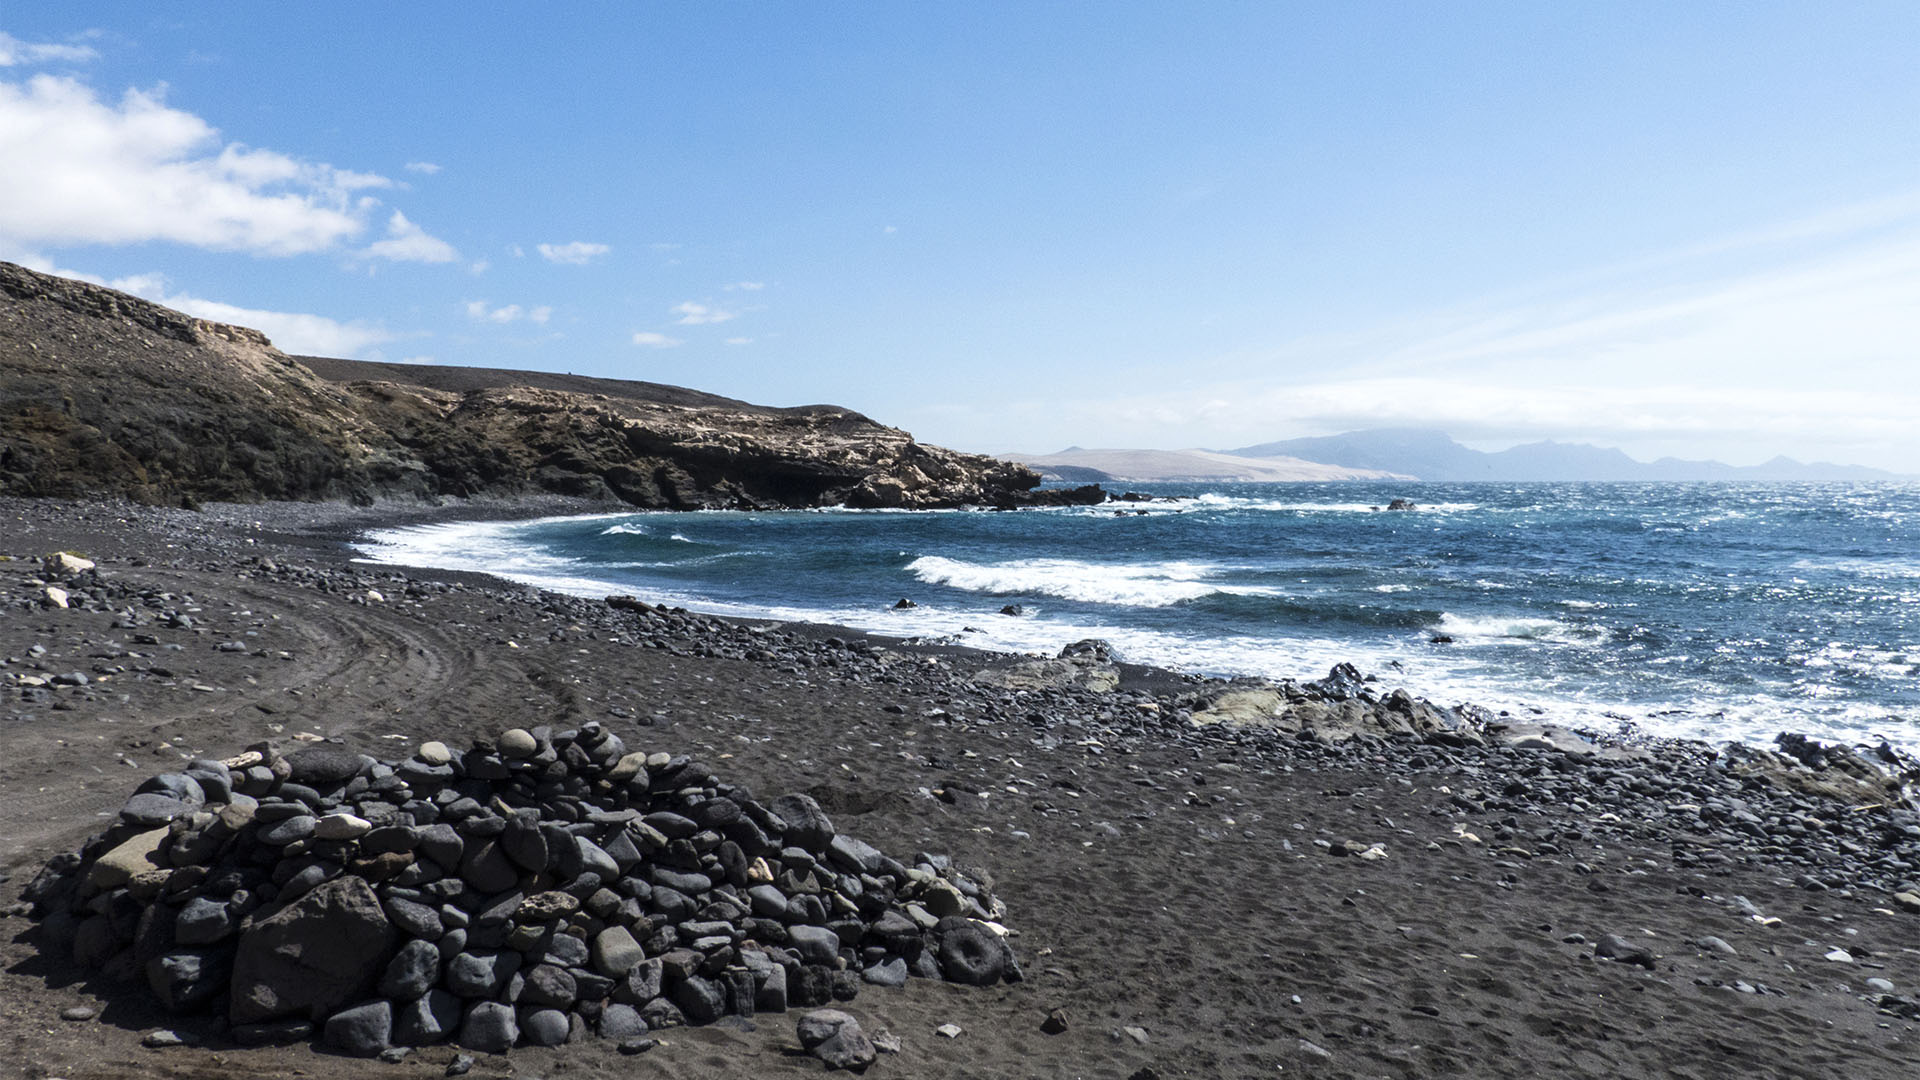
(312, 956)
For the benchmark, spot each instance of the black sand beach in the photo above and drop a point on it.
(1198, 901)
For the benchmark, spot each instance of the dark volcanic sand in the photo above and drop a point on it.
(1162, 882)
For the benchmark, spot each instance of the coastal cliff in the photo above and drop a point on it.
(103, 393)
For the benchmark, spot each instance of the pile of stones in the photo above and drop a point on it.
(533, 889)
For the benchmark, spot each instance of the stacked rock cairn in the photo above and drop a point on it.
(532, 890)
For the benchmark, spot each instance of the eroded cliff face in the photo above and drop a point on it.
(105, 393)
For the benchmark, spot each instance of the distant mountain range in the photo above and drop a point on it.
(1082, 466)
(1433, 455)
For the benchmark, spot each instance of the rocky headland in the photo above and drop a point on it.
(103, 393)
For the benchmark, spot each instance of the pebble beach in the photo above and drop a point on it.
(1391, 889)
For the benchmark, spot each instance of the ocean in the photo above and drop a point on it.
(1710, 611)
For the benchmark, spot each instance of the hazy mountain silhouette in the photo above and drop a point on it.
(1433, 455)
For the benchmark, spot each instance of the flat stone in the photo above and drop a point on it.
(427, 1020)
(815, 944)
(135, 855)
(487, 868)
(413, 970)
(541, 907)
(434, 752)
(489, 1027)
(888, 973)
(324, 766)
(286, 831)
(155, 808)
(187, 978)
(615, 952)
(1616, 948)
(341, 827)
(621, 1022)
(273, 1033)
(362, 1031)
(481, 974)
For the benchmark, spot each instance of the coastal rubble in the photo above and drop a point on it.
(1178, 879)
(534, 888)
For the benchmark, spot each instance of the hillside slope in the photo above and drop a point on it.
(102, 393)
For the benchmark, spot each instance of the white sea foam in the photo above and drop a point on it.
(1672, 705)
(1523, 627)
(1213, 501)
(1153, 584)
(626, 528)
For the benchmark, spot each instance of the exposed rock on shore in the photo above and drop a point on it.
(110, 394)
(529, 889)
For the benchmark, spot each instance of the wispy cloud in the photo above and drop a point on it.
(739, 341)
(745, 286)
(1797, 336)
(695, 314)
(480, 311)
(14, 51)
(426, 168)
(652, 340)
(407, 242)
(292, 332)
(575, 253)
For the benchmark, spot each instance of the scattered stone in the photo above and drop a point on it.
(1055, 1023)
(1620, 950)
(87, 1012)
(461, 1065)
(162, 1039)
(949, 1031)
(835, 1038)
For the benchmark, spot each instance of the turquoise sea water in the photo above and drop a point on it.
(1715, 611)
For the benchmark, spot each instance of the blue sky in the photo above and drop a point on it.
(1689, 229)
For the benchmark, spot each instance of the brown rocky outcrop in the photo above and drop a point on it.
(102, 393)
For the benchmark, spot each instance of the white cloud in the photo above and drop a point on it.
(480, 311)
(292, 332)
(407, 242)
(78, 170)
(739, 341)
(745, 286)
(692, 314)
(419, 360)
(516, 251)
(478, 267)
(14, 51)
(576, 253)
(426, 168)
(654, 341)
